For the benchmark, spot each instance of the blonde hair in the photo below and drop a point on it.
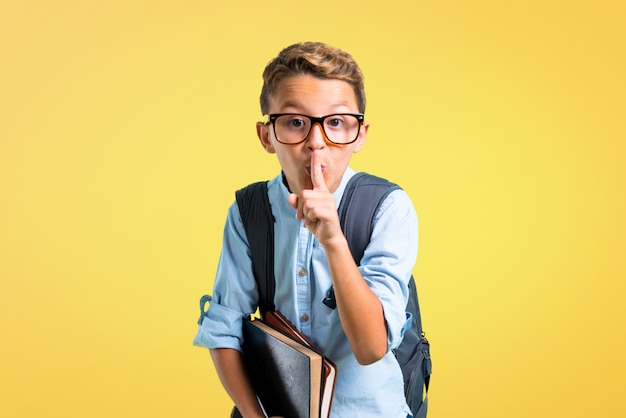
(316, 59)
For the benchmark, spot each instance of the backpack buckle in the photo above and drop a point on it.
(330, 300)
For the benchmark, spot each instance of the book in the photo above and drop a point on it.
(285, 374)
(290, 377)
(278, 321)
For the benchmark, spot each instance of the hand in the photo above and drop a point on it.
(316, 207)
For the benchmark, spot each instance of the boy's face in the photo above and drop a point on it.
(311, 96)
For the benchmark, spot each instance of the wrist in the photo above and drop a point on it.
(335, 244)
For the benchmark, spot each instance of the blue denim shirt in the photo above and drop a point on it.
(302, 282)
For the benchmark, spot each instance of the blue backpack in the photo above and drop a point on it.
(363, 195)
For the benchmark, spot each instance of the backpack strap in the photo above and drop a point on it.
(258, 221)
(363, 195)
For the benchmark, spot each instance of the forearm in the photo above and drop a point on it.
(230, 369)
(360, 310)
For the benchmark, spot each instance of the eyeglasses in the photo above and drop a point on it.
(340, 128)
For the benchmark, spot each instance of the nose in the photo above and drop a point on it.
(316, 138)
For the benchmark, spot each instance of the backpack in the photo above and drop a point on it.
(363, 195)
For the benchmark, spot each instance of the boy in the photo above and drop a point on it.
(314, 97)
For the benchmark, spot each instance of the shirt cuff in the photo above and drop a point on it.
(398, 322)
(220, 327)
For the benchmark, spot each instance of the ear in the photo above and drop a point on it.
(263, 132)
(360, 141)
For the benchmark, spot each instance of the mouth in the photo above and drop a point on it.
(308, 169)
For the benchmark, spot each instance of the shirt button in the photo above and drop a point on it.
(302, 272)
(304, 318)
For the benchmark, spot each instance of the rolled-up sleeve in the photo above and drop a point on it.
(219, 328)
(388, 261)
(235, 293)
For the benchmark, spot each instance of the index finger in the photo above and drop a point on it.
(317, 175)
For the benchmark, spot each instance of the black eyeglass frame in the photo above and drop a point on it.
(359, 116)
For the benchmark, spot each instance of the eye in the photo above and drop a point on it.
(296, 122)
(335, 122)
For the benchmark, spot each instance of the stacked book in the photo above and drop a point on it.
(290, 376)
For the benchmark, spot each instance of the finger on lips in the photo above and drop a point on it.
(317, 175)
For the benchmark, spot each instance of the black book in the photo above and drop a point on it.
(289, 377)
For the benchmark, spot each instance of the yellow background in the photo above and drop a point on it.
(125, 127)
